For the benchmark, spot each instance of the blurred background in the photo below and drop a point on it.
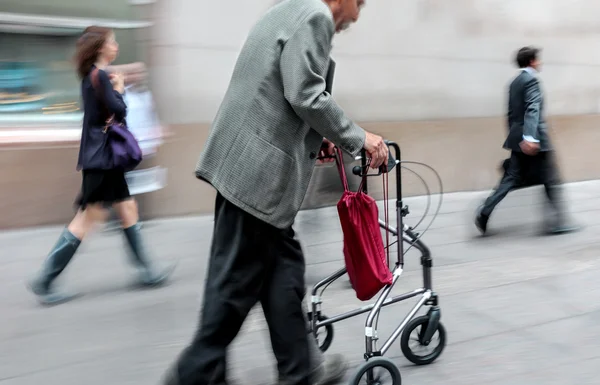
(429, 74)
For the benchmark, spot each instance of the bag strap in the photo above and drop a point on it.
(94, 78)
(95, 85)
(341, 171)
(364, 178)
(386, 214)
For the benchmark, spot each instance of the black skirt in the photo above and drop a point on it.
(102, 186)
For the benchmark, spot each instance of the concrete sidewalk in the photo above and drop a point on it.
(518, 308)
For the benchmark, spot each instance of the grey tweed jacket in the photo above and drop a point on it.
(260, 153)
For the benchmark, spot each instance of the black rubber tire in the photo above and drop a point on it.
(404, 341)
(326, 343)
(376, 362)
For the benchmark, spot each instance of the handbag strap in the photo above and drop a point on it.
(94, 80)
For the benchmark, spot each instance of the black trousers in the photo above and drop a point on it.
(524, 170)
(250, 262)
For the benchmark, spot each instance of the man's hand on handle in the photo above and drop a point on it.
(376, 149)
(326, 153)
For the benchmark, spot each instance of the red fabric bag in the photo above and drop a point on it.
(364, 251)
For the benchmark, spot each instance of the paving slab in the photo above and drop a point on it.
(519, 308)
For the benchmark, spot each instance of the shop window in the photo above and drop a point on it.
(37, 77)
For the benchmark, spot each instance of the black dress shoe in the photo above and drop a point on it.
(171, 377)
(562, 229)
(481, 222)
(331, 371)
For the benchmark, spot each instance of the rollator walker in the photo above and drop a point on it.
(416, 333)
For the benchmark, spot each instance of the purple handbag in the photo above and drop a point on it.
(124, 148)
(125, 152)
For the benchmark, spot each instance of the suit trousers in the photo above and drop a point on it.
(524, 170)
(250, 262)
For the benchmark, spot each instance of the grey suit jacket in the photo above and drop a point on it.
(261, 150)
(526, 113)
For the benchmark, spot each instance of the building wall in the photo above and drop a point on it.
(41, 183)
(403, 60)
(429, 74)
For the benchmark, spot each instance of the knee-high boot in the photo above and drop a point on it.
(149, 274)
(55, 263)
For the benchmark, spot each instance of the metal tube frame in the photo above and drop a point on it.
(427, 295)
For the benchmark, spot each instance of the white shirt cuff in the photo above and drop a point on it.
(530, 139)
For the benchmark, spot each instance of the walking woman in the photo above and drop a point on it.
(102, 186)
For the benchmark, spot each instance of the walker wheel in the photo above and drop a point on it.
(324, 338)
(415, 349)
(377, 371)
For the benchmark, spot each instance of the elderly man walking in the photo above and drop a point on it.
(260, 156)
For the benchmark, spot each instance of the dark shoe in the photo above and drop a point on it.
(481, 222)
(562, 229)
(171, 377)
(149, 274)
(331, 371)
(55, 263)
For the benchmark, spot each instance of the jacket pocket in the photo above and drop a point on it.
(260, 176)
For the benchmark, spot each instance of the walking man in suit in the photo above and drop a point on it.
(260, 156)
(532, 156)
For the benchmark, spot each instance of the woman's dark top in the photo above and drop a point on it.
(98, 105)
